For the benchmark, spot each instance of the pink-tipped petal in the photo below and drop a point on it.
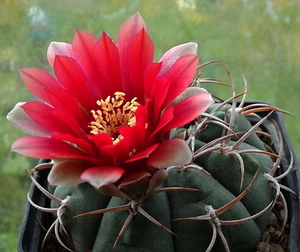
(128, 29)
(181, 74)
(24, 122)
(135, 183)
(158, 177)
(53, 119)
(190, 91)
(133, 178)
(47, 148)
(170, 57)
(67, 173)
(196, 104)
(173, 152)
(112, 190)
(58, 48)
(188, 110)
(101, 176)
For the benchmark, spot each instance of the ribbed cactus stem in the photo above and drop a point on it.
(219, 202)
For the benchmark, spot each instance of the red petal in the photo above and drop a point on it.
(107, 55)
(101, 176)
(101, 139)
(78, 142)
(83, 48)
(161, 91)
(166, 117)
(38, 81)
(60, 98)
(116, 154)
(137, 133)
(140, 53)
(143, 154)
(151, 74)
(68, 120)
(70, 75)
(173, 152)
(48, 89)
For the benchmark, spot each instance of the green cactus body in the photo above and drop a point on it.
(98, 232)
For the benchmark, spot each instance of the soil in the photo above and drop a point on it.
(275, 238)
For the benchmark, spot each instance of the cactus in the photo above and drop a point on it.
(230, 186)
(156, 165)
(218, 202)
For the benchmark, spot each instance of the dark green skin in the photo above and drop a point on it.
(99, 232)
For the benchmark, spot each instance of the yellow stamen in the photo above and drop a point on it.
(132, 153)
(113, 114)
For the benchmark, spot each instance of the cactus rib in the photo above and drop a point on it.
(216, 223)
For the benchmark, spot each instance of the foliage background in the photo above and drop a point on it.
(259, 38)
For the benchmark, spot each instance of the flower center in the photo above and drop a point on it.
(113, 114)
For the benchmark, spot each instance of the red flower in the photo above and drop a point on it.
(106, 116)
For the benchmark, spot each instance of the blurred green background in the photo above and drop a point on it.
(259, 38)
